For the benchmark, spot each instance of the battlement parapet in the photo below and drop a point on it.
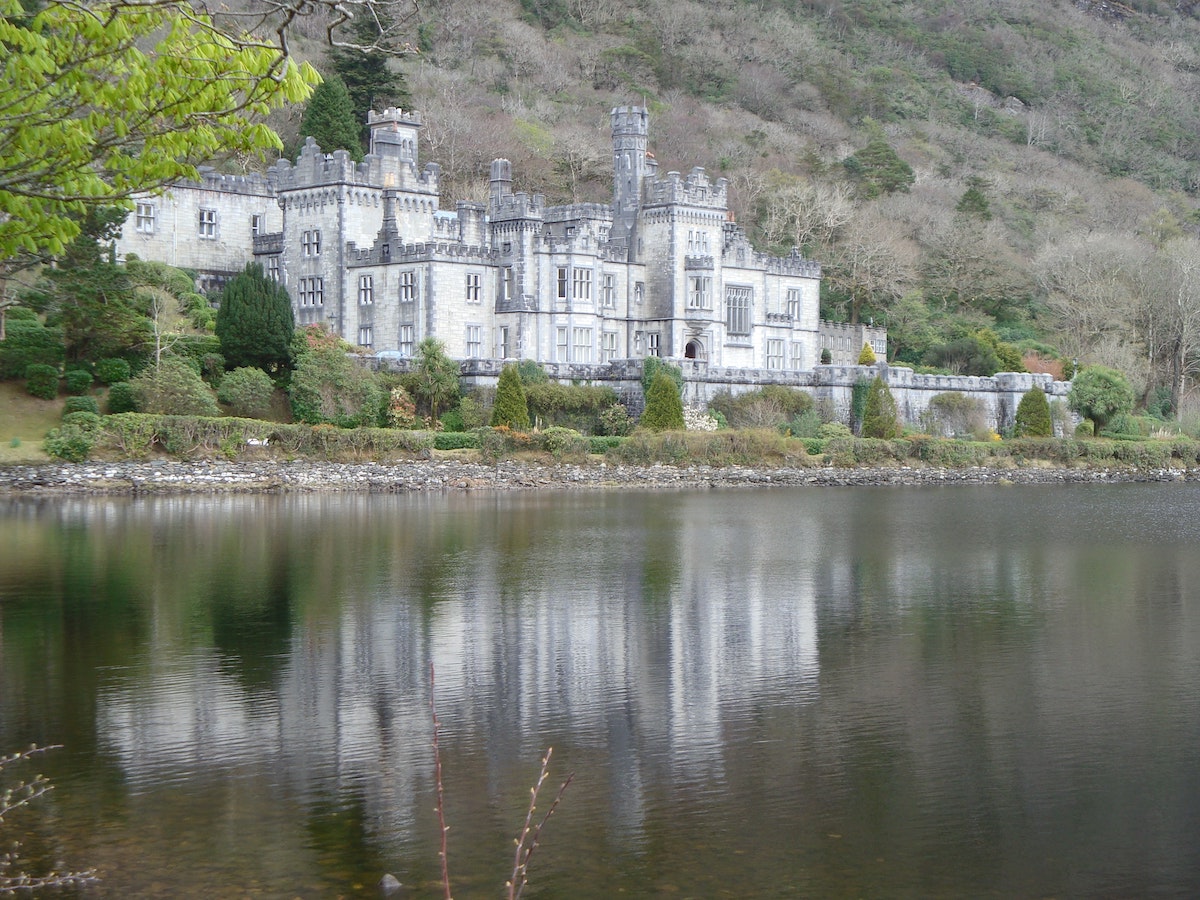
(694, 190)
(253, 184)
(393, 114)
(421, 252)
(518, 206)
(592, 212)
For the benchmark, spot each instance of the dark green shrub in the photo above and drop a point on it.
(511, 407)
(121, 398)
(173, 388)
(1033, 415)
(247, 392)
(328, 387)
(112, 370)
(254, 324)
(858, 401)
(826, 356)
(603, 443)
(615, 421)
(81, 404)
(562, 442)
(70, 442)
(531, 372)
(456, 440)
(28, 342)
(572, 405)
(652, 365)
(78, 381)
(41, 381)
(664, 408)
(880, 418)
(88, 421)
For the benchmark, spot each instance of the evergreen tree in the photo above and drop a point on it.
(510, 408)
(1033, 415)
(867, 356)
(329, 119)
(255, 323)
(434, 376)
(664, 408)
(880, 418)
(367, 74)
(878, 169)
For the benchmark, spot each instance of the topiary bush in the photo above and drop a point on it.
(81, 404)
(880, 417)
(664, 408)
(41, 381)
(510, 407)
(78, 381)
(247, 391)
(112, 370)
(1033, 415)
(867, 356)
(121, 398)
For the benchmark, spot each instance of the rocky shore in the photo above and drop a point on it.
(271, 476)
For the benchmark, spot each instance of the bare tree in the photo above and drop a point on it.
(870, 263)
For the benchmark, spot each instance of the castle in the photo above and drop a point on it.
(588, 290)
(367, 250)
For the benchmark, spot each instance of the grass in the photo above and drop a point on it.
(24, 421)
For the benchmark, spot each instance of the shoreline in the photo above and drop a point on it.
(456, 475)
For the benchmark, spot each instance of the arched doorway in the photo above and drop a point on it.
(693, 350)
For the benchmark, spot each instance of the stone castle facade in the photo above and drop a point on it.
(588, 290)
(367, 250)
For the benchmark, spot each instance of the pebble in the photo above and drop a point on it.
(310, 476)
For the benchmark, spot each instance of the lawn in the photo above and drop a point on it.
(24, 421)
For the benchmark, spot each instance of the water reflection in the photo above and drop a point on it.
(774, 690)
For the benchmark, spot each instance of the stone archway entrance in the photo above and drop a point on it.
(693, 350)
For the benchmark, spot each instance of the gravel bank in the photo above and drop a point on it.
(454, 475)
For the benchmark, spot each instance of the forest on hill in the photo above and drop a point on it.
(995, 180)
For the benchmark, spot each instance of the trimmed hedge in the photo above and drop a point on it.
(81, 404)
(41, 381)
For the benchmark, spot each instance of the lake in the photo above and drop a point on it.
(812, 692)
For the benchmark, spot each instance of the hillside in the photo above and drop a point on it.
(1052, 148)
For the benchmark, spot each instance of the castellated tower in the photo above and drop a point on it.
(630, 128)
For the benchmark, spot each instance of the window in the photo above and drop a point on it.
(145, 218)
(366, 290)
(653, 347)
(506, 247)
(639, 291)
(608, 346)
(774, 354)
(583, 285)
(406, 339)
(256, 224)
(797, 355)
(474, 341)
(602, 233)
(608, 293)
(737, 310)
(273, 268)
(310, 243)
(508, 287)
(312, 291)
(699, 292)
(408, 286)
(365, 337)
(561, 346)
(562, 283)
(208, 223)
(502, 345)
(791, 303)
(583, 345)
(474, 293)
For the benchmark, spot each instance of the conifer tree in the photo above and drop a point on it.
(867, 356)
(880, 418)
(1033, 415)
(664, 407)
(255, 322)
(329, 119)
(369, 79)
(510, 408)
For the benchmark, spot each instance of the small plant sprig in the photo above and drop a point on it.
(16, 796)
(526, 842)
